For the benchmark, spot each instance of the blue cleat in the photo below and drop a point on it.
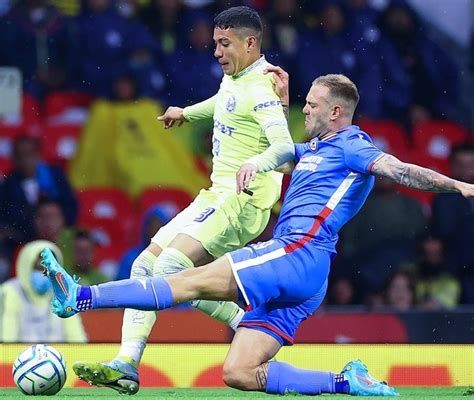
(64, 286)
(362, 384)
(116, 374)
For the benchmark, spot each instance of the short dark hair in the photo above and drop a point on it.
(465, 147)
(339, 86)
(240, 17)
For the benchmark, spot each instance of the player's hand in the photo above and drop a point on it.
(171, 115)
(246, 174)
(282, 83)
(467, 190)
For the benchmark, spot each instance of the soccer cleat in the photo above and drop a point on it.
(64, 286)
(362, 384)
(118, 375)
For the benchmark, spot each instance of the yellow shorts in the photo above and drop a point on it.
(220, 221)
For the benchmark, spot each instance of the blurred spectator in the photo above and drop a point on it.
(374, 300)
(153, 220)
(163, 20)
(26, 303)
(393, 97)
(124, 88)
(342, 292)
(82, 259)
(195, 74)
(49, 225)
(106, 41)
(331, 48)
(433, 75)
(400, 292)
(361, 14)
(41, 39)
(282, 32)
(453, 220)
(382, 235)
(30, 181)
(148, 74)
(436, 288)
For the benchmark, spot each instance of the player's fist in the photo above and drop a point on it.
(467, 190)
(172, 115)
(282, 82)
(246, 173)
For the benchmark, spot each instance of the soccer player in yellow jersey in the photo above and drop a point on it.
(250, 139)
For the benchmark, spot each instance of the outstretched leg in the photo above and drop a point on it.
(214, 281)
(248, 367)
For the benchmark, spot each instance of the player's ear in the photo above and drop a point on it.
(336, 112)
(251, 43)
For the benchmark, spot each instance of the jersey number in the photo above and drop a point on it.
(203, 216)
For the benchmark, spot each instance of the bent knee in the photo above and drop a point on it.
(238, 377)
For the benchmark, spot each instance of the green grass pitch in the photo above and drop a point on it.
(407, 393)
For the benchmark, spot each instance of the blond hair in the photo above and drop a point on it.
(340, 87)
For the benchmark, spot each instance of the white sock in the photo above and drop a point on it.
(137, 324)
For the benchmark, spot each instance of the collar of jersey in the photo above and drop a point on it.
(250, 68)
(333, 135)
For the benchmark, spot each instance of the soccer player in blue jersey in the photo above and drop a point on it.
(282, 281)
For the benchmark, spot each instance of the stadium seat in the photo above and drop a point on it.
(57, 103)
(175, 199)
(108, 213)
(5, 167)
(60, 142)
(30, 109)
(388, 136)
(435, 138)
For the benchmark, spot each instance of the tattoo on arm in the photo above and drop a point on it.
(412, 175)
(261, 376)
(286, 111)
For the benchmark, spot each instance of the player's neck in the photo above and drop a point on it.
(331, 131)
(251, 60)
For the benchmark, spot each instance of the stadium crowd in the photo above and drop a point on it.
(404, 250)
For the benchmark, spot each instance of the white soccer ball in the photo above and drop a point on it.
(39, 370)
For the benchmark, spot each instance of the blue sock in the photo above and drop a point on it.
(140, 294)
(284, 378)
(84, 298)
(341, 384)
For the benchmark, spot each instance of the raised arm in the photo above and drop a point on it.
(417, 177)
(281, 86)
(279, 154)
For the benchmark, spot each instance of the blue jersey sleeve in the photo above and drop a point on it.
(360, 153)
(300, 148)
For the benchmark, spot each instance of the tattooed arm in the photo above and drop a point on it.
(417, 177)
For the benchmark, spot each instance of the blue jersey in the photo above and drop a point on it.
(329, 185)
(282, 281)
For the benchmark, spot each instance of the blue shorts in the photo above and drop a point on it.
(281, 284)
